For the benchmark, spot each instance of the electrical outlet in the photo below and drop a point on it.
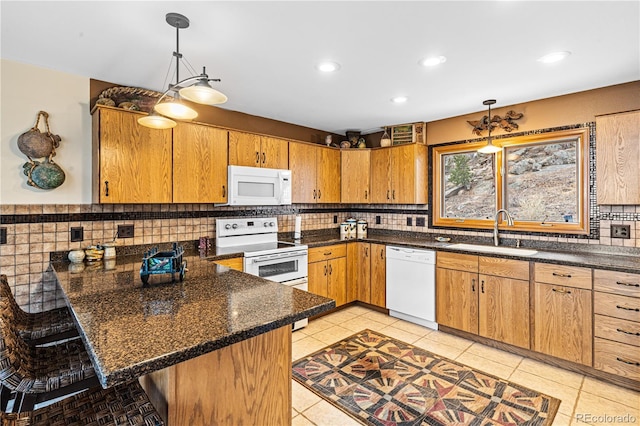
(409, 221)
(378, 220)
(419, 221)
(125, 231)
(621, 231)
(335, 218)
(3, 235)
(77, 234)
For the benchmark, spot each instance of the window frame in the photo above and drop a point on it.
(580, 227)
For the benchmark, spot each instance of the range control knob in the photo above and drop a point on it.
(266, 224)
(234, 226)
(272, 224)
(227, 226)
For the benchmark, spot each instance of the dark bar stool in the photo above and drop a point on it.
(36, 328)
(41, 373)
(125, 404)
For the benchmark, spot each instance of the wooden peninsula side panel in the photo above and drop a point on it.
(248, 382)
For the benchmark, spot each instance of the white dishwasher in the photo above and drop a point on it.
(411, 287)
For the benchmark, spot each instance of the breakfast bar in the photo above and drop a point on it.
(214, 348)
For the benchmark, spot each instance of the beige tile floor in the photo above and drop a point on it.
(585, 400)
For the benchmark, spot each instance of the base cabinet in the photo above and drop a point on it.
(328, 272)
(236, 263)
(367, 280)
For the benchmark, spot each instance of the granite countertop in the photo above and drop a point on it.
(130, 331)
(625, 262)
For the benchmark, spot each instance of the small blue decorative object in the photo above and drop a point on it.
(164, 262)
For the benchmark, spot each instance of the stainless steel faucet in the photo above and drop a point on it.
(495, 224)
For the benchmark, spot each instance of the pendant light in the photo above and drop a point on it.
(196, 89)
(489, 148)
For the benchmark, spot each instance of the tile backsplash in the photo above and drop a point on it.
(35, 231)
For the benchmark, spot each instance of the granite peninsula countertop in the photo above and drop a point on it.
(130, 330)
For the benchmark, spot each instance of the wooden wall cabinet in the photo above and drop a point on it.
(315, 171)
(617, 158)
(484, 295)
(616, 306)
(399, 175)
(328, 272)
(247, 149)
(131, 163)
(199, 164)
(355, 176)
(563, 313)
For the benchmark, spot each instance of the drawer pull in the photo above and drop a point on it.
(627, 284)
(327, 253)
(561, 291)
(558, 274)
(627, 332)
(628, 309)
(637, 364)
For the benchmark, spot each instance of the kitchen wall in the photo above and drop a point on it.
(38, 222)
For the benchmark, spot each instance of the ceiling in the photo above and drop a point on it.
(266, 52)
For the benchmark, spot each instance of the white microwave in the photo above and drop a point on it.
(255, 186)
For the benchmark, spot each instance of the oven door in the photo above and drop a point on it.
(279, 267)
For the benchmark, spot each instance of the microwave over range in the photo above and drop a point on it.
(255, 186)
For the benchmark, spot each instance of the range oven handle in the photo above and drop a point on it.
(279, 256)
(297, 281)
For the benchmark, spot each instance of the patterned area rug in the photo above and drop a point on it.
(382, 381)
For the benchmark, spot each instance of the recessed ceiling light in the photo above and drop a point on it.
(553, 57)
(399, 99)
(432, 61)
(328, 66)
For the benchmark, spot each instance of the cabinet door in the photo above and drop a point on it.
(236, 263)
(457, 299)
(199, 164)
(504, 310)
(409, 174)
(274, 153)
(337, 280)
(133, 162)
(563, 318)
(302, 162)
(356, 262)
(617, 158)
(328, 175)
(363, 275)
(318, 278)
(381, 175)
(354, 176)
(378, 275)
(244, 149)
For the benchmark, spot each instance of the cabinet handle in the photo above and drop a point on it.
(314, 194)
(637, 364)
(562, 291)
(106, 188)
(382, 253)
(557, 274)
(224, 191)
(366, 252)
(264, 158)
(473, 285)
(257, 157)
(627, 332)
(627, 284)
(366, 194)
(628, 309)
(482, 286)
(388, 195)
(325, 270)
(319, 194)
(393, 194)
(330, 270)
(327, 253)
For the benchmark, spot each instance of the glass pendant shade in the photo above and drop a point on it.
(202, 93)
(176, 110)
(489, 148)
(155, 121)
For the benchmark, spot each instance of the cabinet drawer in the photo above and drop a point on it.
(620, 330)
(509, 268)
(613, 305)
(457, 261)
(617, 358)
(319, 254)
(569, 276)
(616, 282)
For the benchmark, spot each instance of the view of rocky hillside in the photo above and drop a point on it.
(541, 183)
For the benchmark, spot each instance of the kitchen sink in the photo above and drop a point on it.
(511, 251)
